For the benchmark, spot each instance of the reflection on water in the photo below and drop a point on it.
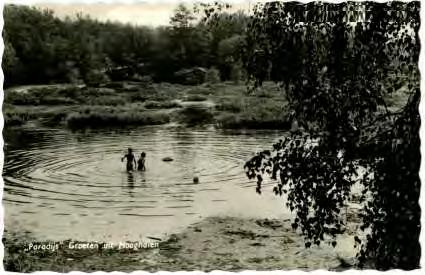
(60, 184)
(130, 183)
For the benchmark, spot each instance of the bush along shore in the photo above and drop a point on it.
(120, 104)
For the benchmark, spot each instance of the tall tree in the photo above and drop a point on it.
(335, 68)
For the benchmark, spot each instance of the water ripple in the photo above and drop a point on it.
(80, 174)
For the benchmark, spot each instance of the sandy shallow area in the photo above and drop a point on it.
(215, 243)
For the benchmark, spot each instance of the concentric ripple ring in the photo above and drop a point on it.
(61, 184)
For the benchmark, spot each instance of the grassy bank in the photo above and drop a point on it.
(252, 112)
(230, 244)
(101, 116)
(225, 105)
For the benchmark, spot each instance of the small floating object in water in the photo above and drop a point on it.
(167, 159)
(196, 180)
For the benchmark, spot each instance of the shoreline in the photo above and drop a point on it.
(214, 243)
(226, 105)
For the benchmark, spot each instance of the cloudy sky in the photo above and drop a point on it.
(138, 12)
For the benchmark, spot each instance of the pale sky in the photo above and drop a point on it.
(151, 13)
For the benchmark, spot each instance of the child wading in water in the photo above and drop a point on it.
(141, 162)
(130, 160)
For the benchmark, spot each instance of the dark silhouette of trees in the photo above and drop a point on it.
(41, 48)
(336, 64)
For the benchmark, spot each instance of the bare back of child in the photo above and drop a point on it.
(141, 162)
(130, 160)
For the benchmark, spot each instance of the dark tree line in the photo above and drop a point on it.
(337, 63)
(40, 48)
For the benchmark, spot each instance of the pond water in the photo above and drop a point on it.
(61, 184)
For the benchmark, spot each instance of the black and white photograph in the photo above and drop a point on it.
(210, 135)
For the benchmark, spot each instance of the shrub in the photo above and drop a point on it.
(56, 100)
(236, 74)
(195, 98)
(21, 98)
(94, 78)
(13, 120)
(232, 121)
(161, 105)
(138, 96)
(106, 100)
(199, 90)
(15, 117)
(212, 76)
(193, 115)
(92, 118)
(55, 118)
(70, 92)
(231, 105)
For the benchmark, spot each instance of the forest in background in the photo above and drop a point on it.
(41, 48)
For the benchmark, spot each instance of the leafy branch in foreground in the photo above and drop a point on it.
(337, 64)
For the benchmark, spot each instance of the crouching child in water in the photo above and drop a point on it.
(130, 160)
(141, 162)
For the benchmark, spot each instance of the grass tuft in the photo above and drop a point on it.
(195, 98)
(104, 117)
(195, 115)
(161, 105)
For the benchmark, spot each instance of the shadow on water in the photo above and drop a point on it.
(133, 180)
(130, 183)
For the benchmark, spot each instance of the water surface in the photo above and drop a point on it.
(61, 184)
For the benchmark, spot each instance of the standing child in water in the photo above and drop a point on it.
(141, 162)
(130, 160)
